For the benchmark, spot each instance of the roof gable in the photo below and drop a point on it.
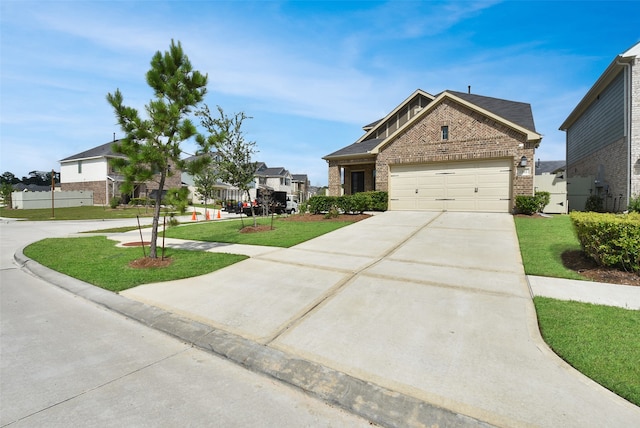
(513, 114)
(496, 104)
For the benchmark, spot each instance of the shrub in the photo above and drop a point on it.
(610, 239)
(543, 199)
(379, 201)
(114, 202)
(634, 204)
(142, 201)
(356, 203)
(320, 204)
(594, 204)
(529, 205)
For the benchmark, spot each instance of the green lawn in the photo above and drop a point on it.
(600, 341)
(98, 261)
(542, 242)
(285, 233)
(77, 213)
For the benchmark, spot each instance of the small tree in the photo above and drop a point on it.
(233, 151)
(152, 146)
(6, 189)
(205, 183)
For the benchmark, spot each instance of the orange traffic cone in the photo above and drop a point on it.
(193, 216)
(208, 217)
(218, 213)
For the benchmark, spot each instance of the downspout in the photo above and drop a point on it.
(627, 121)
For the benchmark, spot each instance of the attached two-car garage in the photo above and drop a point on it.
(482, 186)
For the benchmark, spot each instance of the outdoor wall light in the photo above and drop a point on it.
(523, 161)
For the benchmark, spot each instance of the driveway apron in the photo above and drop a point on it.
(431, 305)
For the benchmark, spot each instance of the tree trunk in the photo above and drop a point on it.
(153, 253)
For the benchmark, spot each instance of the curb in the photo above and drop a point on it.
(377, 404)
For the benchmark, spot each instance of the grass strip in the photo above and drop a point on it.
(119, 229)
(542, 242)
(77, 213)
(602, 342)
(98, 261)
(285, 233)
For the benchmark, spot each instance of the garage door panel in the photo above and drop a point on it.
(454, 186)
(430, 204)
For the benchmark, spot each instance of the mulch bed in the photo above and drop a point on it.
(136, 244)
(579, 262)
(148, 262)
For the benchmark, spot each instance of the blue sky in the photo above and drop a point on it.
(311, 74)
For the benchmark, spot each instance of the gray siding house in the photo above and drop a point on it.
(603, 137)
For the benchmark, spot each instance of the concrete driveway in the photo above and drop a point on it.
(407, 318)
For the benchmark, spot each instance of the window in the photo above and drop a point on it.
(444, 130)
(79, 167)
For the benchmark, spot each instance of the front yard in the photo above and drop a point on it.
(601, 342)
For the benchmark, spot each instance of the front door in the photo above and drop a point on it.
(357, 182)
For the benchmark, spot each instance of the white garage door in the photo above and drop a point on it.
(483, 186)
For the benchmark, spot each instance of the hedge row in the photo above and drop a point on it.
(351, 204)
(610, 239)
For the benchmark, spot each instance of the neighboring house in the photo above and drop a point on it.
(551, 176)
(90, 171)
(603, 137)
(222, 191)
(278, 179)
(300, 187)
(452, 151)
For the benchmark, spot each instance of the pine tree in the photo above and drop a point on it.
(152, 145)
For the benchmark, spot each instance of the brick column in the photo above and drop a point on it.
(334, 179)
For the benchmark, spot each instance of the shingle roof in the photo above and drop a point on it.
(357, 148)
(105, 150)
(273, 172)
(516, 112)
(550, 167)
(300, 177)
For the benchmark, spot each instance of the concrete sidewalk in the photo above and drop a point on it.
(407, 319)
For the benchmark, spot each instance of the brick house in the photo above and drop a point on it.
(603, 137)
(452, 151)
(90, 171)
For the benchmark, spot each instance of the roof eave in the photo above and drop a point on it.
(603, 81)
(368, 154)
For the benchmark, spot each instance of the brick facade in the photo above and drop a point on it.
(635, 128)
(103, 191)
(99, 189)
(471, 136)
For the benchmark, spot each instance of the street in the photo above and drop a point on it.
(65, 361)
